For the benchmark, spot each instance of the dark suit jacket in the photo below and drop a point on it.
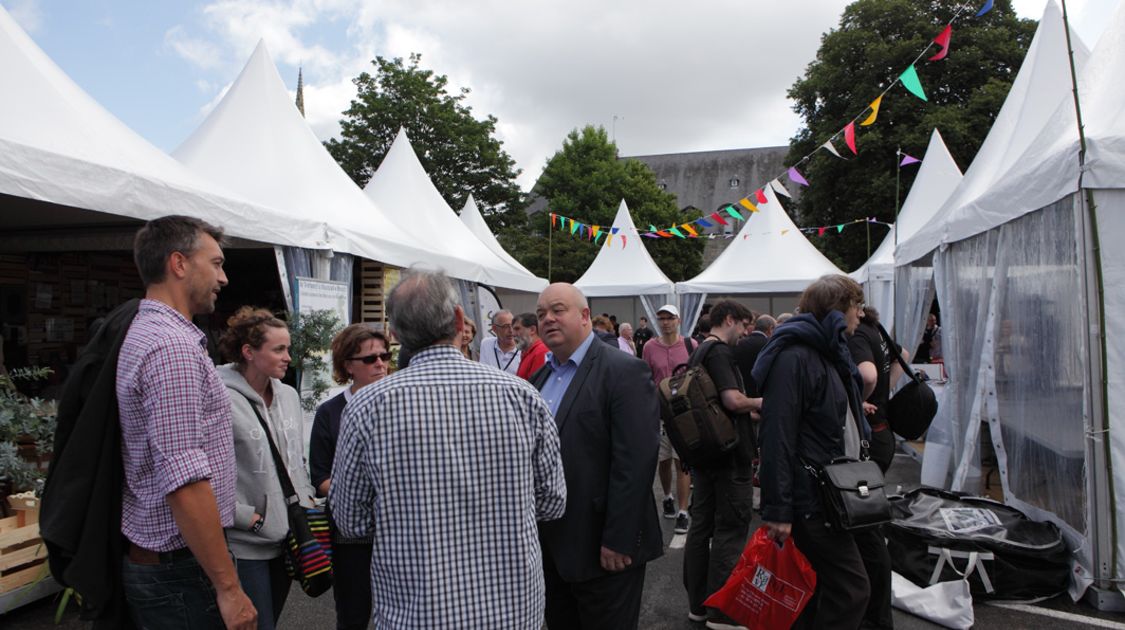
(745, 354)
(609, 433)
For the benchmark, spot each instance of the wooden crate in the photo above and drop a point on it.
(23, 556)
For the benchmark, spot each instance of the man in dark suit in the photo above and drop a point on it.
(608, 417)
(748, 348)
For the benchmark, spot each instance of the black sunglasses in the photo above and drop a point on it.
(371, 358)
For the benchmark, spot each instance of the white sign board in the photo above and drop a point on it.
(323, 295)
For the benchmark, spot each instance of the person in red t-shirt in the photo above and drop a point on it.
(525, 328)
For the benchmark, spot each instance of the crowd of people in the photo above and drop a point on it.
(502, 489)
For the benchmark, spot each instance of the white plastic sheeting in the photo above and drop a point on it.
(60, 146)
(937, 177)
(402, 190)
(768, 255)
(256, 143)
(472, 218)
(1041, 87)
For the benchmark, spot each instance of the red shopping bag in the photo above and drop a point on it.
(769, 587)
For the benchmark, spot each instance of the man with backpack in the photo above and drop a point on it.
(663, 355)
(722, 506)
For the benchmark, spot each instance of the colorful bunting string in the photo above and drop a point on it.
(943, 41)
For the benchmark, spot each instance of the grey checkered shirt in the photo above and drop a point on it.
(449, 464)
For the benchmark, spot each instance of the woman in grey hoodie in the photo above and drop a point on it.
(257, 343)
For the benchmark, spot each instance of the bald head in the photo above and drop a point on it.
(564, 319)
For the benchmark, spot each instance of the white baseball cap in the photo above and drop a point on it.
(668, 308)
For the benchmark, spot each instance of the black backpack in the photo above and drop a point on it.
(695, 421)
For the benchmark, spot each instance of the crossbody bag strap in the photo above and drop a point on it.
(892, 346)
(282, 472)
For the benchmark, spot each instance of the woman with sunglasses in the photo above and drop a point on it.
(359, 357)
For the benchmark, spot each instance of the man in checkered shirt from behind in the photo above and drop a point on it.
(449, 465)
(177, 447)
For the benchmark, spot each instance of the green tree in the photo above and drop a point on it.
(460, 153)
(585, 180)
(874, 42)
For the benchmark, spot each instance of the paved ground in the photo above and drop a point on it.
(665, 604)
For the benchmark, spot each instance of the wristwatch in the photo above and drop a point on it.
(257, 526)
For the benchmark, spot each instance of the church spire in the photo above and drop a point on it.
(300, 92)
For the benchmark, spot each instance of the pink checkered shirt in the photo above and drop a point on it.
(175, 424)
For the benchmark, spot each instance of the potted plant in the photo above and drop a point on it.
(27, 428)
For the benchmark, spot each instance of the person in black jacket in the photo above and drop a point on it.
(812, 413)
(359, 357)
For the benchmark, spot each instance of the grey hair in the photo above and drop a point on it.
(499, 313)
(421, 309)
(764, 323)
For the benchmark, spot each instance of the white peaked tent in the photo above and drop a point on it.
(256, 143)
(401, 188)
(472, 218)
(937, 177)
(59, 146)
(1029, 272)
(624, 268)
(769, 255)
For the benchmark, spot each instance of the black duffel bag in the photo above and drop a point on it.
(913, 407)
(940, 536)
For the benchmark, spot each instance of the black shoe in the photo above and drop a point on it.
(669, 508)
(682, 522)
(719, 621)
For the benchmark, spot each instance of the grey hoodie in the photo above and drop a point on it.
(258, 489)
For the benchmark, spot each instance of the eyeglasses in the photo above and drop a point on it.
(502, 326)
(385, 357)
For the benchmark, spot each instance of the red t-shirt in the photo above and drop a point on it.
(532, 359)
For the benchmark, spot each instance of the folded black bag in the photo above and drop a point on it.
(940, 536)
(913, 407)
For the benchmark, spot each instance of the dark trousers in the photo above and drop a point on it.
(722, 506)
(877, 562)
(842, 588)
(351, 585)
(610, 602)
(882, 448)
(267, 585)
(171, 595)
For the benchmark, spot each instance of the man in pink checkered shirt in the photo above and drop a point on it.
(177, 445)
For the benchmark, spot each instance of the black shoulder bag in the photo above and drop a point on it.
(308, 547)
(913, 407)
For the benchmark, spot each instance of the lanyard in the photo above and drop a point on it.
(496, 351)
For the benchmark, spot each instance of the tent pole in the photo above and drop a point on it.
(550, 245)
(1095, 242)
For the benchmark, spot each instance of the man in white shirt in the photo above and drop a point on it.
(501, 351)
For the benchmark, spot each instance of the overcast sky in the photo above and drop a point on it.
(663, 77)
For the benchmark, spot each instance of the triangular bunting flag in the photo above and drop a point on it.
(718, 218)
(870, 120)
(554, 217)
(839, 228)
(596, 229)
(761, 196)
(624, 241)
(573, 226)
(784, 232)
(827, 146)
(608, 239)
(908, 159)
(690, 230)
(749, 206)
(779, 189)
(985, 9)
(943, 41)
(677, 232)
(796, 177)
(599, 236)
(849, 137)
(703, 223)
(820, 231)
(614, 230)
(910, 81)
(734, 213)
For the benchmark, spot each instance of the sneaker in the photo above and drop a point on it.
(719, 621)
(669, 508)
(682, 522)
(697, 616)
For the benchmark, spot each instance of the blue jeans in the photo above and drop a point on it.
(172, 595)
(267, 585)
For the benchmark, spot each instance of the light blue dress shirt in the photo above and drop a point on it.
(561, 375)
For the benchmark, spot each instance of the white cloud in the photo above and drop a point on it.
(27, 13)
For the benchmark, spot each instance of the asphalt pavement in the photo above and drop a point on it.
(664, 606)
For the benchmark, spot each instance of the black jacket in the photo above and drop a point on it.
(80, 521)
(609, 437)
(808, 380)
(322, 440)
